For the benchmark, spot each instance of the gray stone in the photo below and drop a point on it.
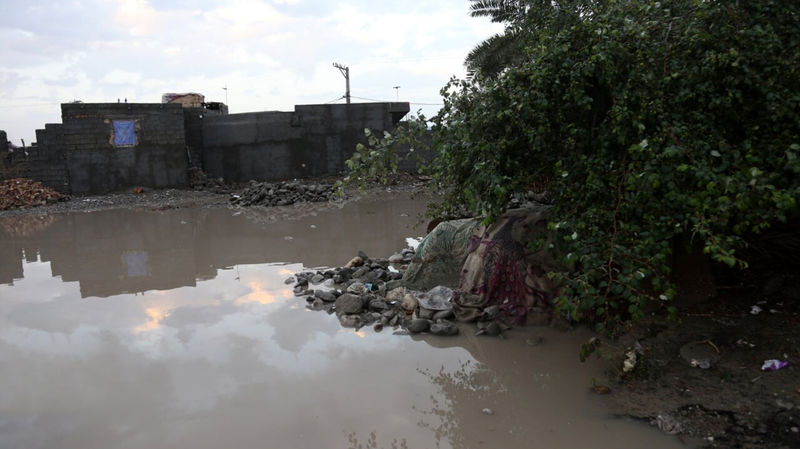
(417, 325)
(349, 303)
(290, 280)
(443, 315)
(378, 304)
(425, 313)
(359, 273)
(491, 312)
(317, 278)
(444, 328)
(357, 288)
(350, 320)
(396, 258)
(325, 295)
(493, 329)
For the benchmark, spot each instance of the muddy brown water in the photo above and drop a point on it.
(175, 329)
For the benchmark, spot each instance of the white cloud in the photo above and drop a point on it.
(121, 77)
(271, 54)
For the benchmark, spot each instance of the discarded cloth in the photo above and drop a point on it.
(500, 269)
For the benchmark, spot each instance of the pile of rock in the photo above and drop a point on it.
(282, 193)
(361, 294)
(18, 193)
(200, 181)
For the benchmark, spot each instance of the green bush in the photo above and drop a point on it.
(651, 119)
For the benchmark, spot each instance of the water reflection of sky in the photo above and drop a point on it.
(227, 354)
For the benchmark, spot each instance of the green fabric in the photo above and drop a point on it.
(440, 256)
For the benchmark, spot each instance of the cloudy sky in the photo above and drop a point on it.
(271, 54)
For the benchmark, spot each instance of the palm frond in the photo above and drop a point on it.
(499, 11)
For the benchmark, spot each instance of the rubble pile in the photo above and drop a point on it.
(20, 193)
(200, 181)
(362, 293)
(282, 193)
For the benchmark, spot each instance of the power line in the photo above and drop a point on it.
(334, 100)
(390, 101)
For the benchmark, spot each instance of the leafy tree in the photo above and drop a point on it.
(651, 119)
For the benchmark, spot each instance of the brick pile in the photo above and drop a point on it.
(19, 193)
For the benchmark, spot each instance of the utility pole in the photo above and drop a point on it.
(226, 94)
(397, 91)
(346, 74)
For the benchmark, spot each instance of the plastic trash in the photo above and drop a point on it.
(773, 365)
(702, 363)
(413, 243)
(755, 310)
(437, 298)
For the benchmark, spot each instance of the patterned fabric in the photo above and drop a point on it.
(501, 270)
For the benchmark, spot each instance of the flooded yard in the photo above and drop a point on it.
(175, 329)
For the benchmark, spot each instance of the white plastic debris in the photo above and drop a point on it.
(773, 365)
(702, 363)
(755, 310)
(413, 243)
(630, 362)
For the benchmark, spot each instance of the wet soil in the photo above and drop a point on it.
(732, 403)
(164, 199)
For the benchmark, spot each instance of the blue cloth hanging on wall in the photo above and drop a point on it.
(124, 132)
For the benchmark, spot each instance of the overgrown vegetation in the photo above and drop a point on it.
(651, 119)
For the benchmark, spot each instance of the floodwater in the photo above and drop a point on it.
(174, 329)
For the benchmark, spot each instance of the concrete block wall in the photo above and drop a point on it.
(158, 159)
(314, 140)
(79, 156)
(47, 161)
(44, 160)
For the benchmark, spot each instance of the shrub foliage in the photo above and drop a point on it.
(651, 120)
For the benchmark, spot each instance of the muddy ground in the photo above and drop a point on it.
(731, 403)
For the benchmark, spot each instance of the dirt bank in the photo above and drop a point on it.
(207, 196)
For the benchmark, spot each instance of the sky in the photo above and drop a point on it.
(270, 54)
